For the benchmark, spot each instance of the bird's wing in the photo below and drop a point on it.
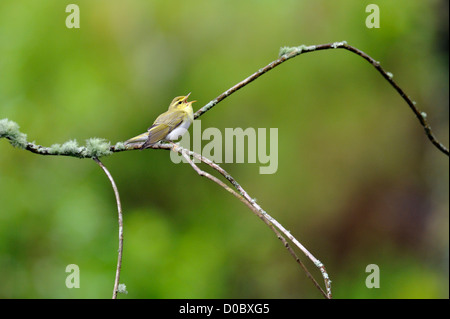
(172, 119)
(155, 134)
(163, 125)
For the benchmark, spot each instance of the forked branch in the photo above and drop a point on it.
(258, 211)
(96, 148)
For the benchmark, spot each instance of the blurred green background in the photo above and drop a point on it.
(358, 182)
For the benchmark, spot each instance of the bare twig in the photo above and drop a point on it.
(289, 53)
(285, 54)
(257, 210)
(120, 218)
(96, 148)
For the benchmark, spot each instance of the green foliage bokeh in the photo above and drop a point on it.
(357, 183)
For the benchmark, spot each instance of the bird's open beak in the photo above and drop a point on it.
(186, 97)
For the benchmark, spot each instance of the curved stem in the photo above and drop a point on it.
(120, 218)
(291, 52)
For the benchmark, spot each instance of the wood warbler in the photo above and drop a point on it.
(169, 126)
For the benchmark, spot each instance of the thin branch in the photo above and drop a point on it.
(286, 53)
(291, 52)
(120, 218)
(96, 148)
(257, 210)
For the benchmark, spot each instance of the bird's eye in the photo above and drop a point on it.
(179, 102)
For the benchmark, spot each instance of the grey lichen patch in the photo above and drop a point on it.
(336, 45)
(120, 146)
(69, 148)
(289, 50)
(122, 289)
(10, 130)
(97, 147)
(296, 50)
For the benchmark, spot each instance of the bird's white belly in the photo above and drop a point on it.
(178, 131)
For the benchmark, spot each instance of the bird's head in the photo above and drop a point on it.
(180, 102)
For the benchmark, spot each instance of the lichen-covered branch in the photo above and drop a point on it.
(95, 147)
(98, 147)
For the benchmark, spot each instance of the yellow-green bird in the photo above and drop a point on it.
(170, 125)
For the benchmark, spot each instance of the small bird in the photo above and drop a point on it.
(169, 126)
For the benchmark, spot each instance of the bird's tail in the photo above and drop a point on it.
(137, 139)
